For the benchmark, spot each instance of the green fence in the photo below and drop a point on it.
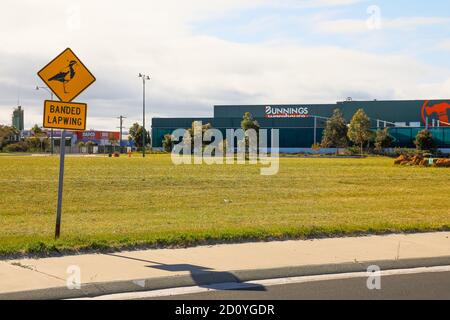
(304, 137)
(404, 137)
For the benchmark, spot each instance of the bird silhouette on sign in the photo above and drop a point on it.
(65, 75)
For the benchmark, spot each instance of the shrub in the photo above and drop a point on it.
(20, 146)
(405, 152)
(425, 141)
(353, 150)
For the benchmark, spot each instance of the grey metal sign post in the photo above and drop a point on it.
(62, 156)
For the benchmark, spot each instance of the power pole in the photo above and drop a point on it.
(121, 127)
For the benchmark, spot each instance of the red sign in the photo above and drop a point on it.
(97, 135)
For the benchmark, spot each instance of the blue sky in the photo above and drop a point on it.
(205, 52)
(299, 24)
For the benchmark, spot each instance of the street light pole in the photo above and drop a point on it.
(144, 79)
(121, 127)
(51, 130)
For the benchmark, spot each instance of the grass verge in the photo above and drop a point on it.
(126, 203)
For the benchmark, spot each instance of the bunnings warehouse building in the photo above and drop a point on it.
(302, 125)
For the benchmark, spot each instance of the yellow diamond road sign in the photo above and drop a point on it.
(66, 76)
(65, 115)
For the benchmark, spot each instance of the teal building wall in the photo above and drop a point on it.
(298, 132)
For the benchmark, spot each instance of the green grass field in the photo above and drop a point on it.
(124, 202)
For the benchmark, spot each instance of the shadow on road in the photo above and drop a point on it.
(202, 276)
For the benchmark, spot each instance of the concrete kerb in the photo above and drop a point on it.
(216, 277)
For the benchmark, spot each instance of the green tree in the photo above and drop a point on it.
(335, 133)
(136, 132)
(359, 129)
(195, 128)
(80, 146)
(7, 134)
(249, 123)
(39, 140)
(383, 140)
(38, 143)
(168, 143)
(37, 130)
(113, 142)
(90, 147)
(425, 141)
(196, 131)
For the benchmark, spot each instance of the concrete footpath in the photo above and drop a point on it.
(130, 271)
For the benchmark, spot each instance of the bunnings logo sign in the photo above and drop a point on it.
(286, 112)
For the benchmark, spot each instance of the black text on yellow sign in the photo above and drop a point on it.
(65, 115)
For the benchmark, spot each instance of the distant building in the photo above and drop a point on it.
(18, 118)
(302, 125)
(98, 137)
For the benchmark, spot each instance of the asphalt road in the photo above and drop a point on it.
(421, 286)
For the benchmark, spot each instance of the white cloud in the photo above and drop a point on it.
(411, 23)
(354, 26)
(315, 3)
(343, 26)
(444, 45)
